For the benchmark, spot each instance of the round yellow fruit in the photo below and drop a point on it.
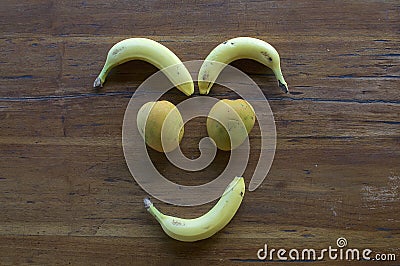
(229, 122)
(163, 128)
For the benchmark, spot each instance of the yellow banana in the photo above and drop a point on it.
(190, 230)
(153, 53)
(239, 48)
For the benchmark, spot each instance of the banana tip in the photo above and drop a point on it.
(283, 87)
(147, 203)
(97, 83)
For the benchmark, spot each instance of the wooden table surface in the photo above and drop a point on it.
(67, 196)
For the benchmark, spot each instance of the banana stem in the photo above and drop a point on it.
(151, 209)
(97, 83)
(147, 203)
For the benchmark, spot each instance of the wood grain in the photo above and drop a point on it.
(67, 196)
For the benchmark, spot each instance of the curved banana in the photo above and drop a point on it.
(239, 48)
(190, 230)
(153, 53)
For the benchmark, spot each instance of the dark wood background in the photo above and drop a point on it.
(67, 196)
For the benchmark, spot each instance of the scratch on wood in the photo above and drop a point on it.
(99, 226)
(63, 125)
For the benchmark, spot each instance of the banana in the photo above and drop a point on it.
(153, 53)
(190, 230)
(239, 48)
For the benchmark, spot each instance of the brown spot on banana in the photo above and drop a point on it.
(177, 223)
(118, 50)
(265, 54)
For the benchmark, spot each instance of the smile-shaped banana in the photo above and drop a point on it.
(190, 230)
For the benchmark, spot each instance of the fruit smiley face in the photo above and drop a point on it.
(229, 122)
